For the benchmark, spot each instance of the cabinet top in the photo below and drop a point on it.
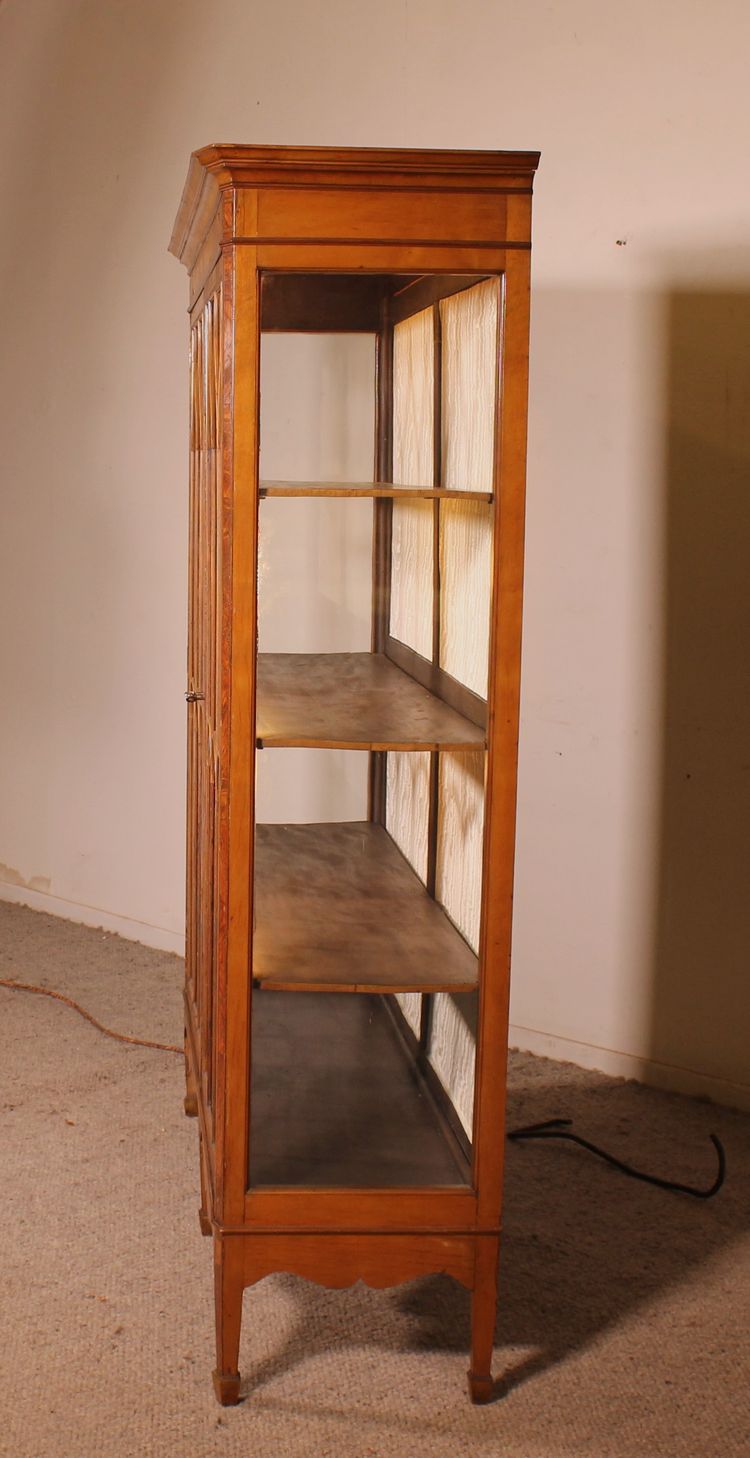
(223, 166)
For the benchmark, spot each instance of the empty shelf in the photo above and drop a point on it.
(339, 908)
(352, 701)
(369, 489)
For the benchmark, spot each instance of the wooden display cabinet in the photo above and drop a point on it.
(324, 960)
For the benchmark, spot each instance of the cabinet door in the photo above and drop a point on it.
(203, 694)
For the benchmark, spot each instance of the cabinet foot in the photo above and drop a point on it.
(190, 1104)
(481, 1389)
(483, 1312)
(228, 1285)
(227, 1388)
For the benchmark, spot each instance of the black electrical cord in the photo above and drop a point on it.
(560, 1129)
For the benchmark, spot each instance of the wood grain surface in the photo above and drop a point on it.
(366, 489)
(338, 907)
(352, 701)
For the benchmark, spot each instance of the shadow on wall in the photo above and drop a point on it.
(702, 936)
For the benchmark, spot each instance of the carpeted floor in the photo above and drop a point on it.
(623, 1323)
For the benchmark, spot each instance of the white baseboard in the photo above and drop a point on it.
(627, 1065)
(159, 937)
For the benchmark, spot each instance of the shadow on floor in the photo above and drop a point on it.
(583, 1245)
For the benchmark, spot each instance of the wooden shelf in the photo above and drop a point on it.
(352, 701)
(334, 1102)
(339, 908)
(366, 489)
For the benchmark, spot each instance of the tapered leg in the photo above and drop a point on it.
(228, 1288)
(483, 1316)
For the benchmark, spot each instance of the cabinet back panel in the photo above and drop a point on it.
(413, 459)
(407, 816)
(465, 582)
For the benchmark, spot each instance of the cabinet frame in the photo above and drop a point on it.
(253, 224)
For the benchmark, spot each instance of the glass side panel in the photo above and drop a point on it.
(317, 421)
(333, 1100)
(352, 955)
(314, 557)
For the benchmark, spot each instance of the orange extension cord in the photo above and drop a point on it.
(60, 997)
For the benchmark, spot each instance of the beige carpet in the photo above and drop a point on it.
(623, 1322)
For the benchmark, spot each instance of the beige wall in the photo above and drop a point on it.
(631, 909)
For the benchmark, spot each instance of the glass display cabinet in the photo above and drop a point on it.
(347, 967)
